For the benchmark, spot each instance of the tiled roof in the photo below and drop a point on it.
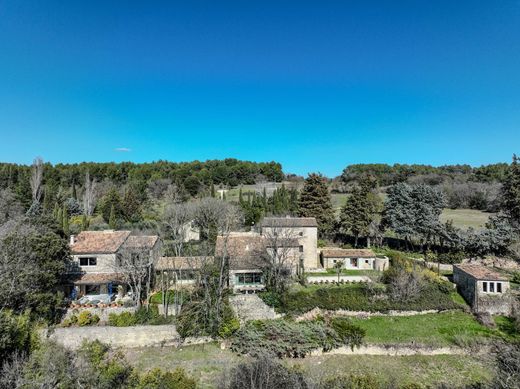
(139, 241)
(289, 222)
(95, 242)
(481, 272)
(244, 249)
(97, 278)
(181, 263)
(347, 253)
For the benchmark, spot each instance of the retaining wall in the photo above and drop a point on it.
(128, 337)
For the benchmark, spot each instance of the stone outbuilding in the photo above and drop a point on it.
(353, 259)
(484, 289)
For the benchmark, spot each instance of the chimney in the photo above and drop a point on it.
(72, 240)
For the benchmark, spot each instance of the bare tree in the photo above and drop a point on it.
(405, 285)
(36, 179)
(339, 266)
(176, 224)
(135, 266)
(215, 218)
(89, 195)
(280, 256)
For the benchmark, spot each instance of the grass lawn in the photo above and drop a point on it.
(437, 330)
(204, 362)
(464, 218)
(455, 370)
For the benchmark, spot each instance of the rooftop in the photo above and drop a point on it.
(243, 249)
(481, 272)
(289, 222)
(104, 242)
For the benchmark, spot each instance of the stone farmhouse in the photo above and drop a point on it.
(303, 230)
(484, 289)
(352, 259)
(95, 256)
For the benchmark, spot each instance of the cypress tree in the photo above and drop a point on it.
(84, 222)
(315, 201)
(511, 192)
(212, 190)
(112, 220)
(59, 216)
(240, 197)
(65, 221)
(74, 192)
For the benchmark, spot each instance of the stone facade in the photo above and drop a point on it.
(353, 259)
(485, 290)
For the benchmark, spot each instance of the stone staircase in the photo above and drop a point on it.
(251, 307)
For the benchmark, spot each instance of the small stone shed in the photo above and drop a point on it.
(484, 289)
(353, 259)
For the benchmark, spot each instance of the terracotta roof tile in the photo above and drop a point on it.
(139, 241)
(97, 278)
(243, 249)
(289, 222)
(92, 242)
(481, 272)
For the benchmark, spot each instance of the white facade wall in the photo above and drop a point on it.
(105, 263)
(307, 237)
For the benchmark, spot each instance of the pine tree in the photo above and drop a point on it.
(65, 221)
(112, 221)
(361, 209)
(315, 201)
(131, 206)
(511, 192)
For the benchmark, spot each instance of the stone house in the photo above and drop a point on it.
(95, 256)
(483, 288)
(243, 251)
(303, 230)
(353, 259)
(180, 270)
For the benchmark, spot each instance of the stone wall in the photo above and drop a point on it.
(128, 337)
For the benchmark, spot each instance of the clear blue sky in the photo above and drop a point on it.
(313, 85)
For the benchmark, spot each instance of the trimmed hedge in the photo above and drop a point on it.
(434, 296)
(141, 316)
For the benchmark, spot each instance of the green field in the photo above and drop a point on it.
(464, 218)
(436, 330)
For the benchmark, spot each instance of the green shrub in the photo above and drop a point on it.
(124, 319)
(86, 318)
(144, 315)
(15, 333)
(271, 298)
(351, 382)
(229, 327)
(70, 321)
(357, 297)
(347, 332)
(157, 298)
(516, 277)
(157, 379)
(284, 338)
(451, 257)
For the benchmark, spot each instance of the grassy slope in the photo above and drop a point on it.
(437, 330)
(204, 362)
(427, 370)
(208, 362)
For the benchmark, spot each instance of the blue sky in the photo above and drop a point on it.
(313, 85)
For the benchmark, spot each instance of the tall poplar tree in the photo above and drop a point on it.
(511, 192)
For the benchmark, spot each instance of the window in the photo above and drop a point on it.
(492, 287)
(88, 261)
(484, 287)
(499, 287)
(301, 249)
(249, 278)
(354, 262)
(92, 289)
(301, 233)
